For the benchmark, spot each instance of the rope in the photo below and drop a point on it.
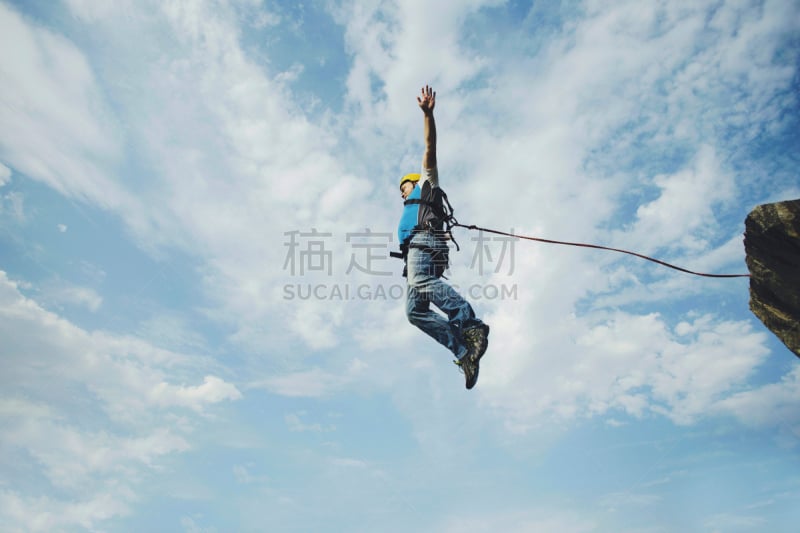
(598, 247)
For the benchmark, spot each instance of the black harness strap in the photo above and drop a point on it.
(443, 214)
(436, 208)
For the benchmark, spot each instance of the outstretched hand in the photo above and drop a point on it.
(427, 101)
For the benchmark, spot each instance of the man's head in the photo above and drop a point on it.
(407, 184)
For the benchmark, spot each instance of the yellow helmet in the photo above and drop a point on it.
(409, 177)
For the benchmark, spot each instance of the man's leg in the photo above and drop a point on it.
(425, 288)
(419, 313)
(462, 332)
(470, 331)
(422, 291)
(461, 317)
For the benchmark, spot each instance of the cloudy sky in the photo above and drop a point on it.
(200, 330)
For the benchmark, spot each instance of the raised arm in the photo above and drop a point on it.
(427, 101)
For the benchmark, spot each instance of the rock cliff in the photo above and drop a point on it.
(772, 245)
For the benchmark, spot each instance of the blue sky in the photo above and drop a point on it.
(168, 367)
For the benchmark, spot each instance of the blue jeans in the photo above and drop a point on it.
(425, 288)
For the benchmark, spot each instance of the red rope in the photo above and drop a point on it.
(582, 245)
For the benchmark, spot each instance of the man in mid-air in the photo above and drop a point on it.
(423, 240)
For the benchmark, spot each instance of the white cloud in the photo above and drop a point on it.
(404, 45)
(213, 390)
(294, 421)
(61, 293)
(628, 363)
(15, 407)
(234, 163)
(770, 405)
(348, 462)
(48, 514)
(97, 470)
(5, 175)
(244, 476)
(54, 129)
(173, 331)
(71, 458)
(13, 204)
(86, 410)
(683, 214)
(312, 383)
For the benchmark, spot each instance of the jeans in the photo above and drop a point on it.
(425, 288)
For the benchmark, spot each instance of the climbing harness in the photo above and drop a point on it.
(448, 220)
(443, 215)
(441, 207)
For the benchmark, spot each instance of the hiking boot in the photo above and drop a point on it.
(477, 341)
(470, 369)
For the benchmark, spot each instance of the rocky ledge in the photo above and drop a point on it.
(772, 245)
